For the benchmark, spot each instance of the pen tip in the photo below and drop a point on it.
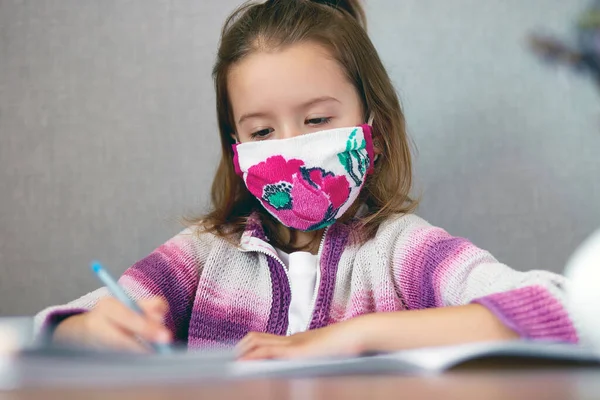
(96, 266)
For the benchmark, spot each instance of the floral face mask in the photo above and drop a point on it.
(309, 181)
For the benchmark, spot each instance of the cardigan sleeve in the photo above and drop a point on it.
(171, 271)
(435, 269)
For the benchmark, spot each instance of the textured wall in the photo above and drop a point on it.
(108, 133)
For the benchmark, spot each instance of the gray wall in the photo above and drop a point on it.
(108, 134)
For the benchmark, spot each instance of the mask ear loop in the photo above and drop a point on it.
(370, 123)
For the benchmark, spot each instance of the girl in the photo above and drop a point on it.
(311, 248)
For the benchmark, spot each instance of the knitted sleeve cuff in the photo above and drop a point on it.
(533, 313)
(50, 321)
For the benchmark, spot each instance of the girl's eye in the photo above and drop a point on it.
(318, 121)
(261, 134)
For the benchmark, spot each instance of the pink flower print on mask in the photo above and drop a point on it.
(306, 198)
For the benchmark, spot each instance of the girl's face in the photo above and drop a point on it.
(298, 90)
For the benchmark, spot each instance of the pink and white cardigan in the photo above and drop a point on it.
(218, 292)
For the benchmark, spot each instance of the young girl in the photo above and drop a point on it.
(311, 248)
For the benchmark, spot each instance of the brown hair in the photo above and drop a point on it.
(340, 27)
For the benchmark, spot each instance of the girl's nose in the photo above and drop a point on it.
(291, 130)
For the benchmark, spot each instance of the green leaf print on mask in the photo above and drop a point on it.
(354, 159)
(278, 195)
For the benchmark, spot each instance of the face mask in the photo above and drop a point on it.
(309, 181)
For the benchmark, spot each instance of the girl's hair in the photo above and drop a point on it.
(339, 26)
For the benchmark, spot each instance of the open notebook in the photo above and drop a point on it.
(515, 354)
(53, 366)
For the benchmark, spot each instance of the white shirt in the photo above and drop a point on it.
(303, 271)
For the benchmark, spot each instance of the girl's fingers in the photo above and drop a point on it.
(119, 315)
(155, 309)
(254, 340)
(118, 339)
(156, 305)
(104, 334)
(266, 353)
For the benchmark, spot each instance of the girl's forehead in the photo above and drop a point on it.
(303, 67)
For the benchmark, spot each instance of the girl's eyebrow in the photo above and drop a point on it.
(317, 100)
(252, 115)
(307, 104)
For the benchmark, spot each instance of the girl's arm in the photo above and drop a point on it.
(170, 272)
(453, 292)
(382, 332)
(432, 327)
(434, 269)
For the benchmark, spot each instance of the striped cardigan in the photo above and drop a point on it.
(217, 292)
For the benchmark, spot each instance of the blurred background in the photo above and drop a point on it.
(108, 132)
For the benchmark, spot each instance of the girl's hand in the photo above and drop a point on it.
(383, 332)
(341, 339)
(110, 324)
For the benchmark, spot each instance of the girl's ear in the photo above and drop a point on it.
(377, 150)
(234, 137)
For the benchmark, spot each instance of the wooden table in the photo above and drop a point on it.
(483, 384)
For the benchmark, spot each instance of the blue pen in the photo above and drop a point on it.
(120, 294)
